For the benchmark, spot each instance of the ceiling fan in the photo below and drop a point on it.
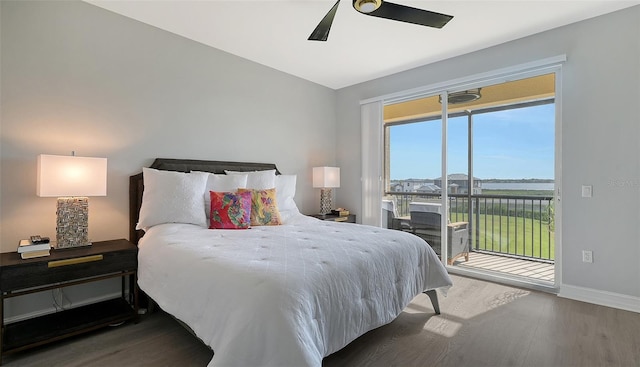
(382, 9)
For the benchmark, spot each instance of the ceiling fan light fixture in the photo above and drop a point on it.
(366, 6)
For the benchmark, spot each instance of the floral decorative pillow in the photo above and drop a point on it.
(264, 210)
(230, 210)
(222, 183)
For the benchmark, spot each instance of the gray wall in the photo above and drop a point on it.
(600, 135)
(76, 77)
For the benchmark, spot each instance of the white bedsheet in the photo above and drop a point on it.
(284, 295)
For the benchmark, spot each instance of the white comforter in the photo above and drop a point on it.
(284, 295)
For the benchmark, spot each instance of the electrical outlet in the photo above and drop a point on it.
(587, 256)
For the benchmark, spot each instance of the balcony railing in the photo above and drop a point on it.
(519, 226)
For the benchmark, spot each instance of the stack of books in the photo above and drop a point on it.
(340, 212)
(36, 247)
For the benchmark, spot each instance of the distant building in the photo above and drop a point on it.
(429, 189)
(413, 185)
(458, 183)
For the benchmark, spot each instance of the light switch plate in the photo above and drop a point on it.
(587, 191)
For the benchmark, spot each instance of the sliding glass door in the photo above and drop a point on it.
(486, 171)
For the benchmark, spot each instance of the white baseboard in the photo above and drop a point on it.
(52, 309)
(603, 298)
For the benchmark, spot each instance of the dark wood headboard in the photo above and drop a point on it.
(136, 184)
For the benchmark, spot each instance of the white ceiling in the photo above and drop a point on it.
(360, 48)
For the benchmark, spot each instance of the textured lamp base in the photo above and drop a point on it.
(72, 227)
(325, 201)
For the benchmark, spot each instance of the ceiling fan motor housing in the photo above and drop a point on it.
(366, 6)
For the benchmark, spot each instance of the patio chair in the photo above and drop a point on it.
(390, 212)
(426, 224)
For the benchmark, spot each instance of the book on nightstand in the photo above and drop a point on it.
(27, 249)
(32, 254)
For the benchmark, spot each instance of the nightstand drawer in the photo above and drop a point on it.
(62, 269)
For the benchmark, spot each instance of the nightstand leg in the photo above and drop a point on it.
(122, 279)
(134, 284)
(1, 325)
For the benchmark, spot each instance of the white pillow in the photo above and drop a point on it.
(222, 183)
(285, 191)
(258, 180)
(172, 197)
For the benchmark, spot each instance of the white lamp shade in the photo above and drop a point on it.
(326, 177)
(64, 176)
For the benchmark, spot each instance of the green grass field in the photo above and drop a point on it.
(516, 236)
(513, 235)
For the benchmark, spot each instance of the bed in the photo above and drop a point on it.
(276, 295)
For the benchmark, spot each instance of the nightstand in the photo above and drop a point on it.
(63, 268)
(351, 218)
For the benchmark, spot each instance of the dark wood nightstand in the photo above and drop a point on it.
(351, 218)
(66, 267)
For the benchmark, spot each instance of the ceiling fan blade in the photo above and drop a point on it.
(321, 33)
(409, 14)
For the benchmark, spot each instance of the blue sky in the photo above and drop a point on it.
(515, 143)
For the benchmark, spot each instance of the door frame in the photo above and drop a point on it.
(376, 158)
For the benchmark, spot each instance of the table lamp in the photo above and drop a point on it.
(71, 179)
(326, 178)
